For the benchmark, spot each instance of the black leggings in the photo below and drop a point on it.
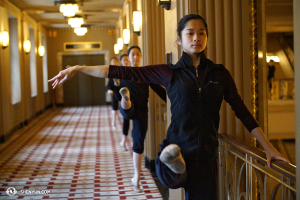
(115, 103)
(140, 125)
(199, 180)
(125, 126)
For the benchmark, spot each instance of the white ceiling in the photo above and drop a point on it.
(98, 13)
(105, 13)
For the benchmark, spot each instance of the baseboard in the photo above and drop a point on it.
(2, 139)
(150, 164)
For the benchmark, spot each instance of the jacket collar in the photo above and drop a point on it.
(187, 62)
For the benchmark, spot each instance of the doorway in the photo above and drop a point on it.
(84, 90)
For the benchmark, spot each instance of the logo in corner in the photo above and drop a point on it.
(11, 191)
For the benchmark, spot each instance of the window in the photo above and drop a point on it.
(14, 60)
(45, 64)
(33, 79)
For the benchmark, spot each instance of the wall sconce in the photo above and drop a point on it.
(120, 43)
(41, 51)
(116, 48)
(137, 21)
(164, 4)
(126, 36)
(5, 39)
(27, 46)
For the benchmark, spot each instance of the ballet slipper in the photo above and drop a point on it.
(116, 82)
(136, 187)
(123, 145)
(125, 93)
(171, 157)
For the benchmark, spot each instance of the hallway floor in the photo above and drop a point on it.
(71, 153)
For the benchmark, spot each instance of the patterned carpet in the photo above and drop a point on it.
(70, 153)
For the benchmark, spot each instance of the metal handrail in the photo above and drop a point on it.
(282, 89)
(249, 159)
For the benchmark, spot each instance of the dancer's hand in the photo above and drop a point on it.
(63, 76)
(273, 154)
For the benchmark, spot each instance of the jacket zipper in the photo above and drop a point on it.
(200, 93)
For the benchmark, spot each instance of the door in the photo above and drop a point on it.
(84, 90)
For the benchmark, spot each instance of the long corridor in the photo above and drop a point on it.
(70, 153)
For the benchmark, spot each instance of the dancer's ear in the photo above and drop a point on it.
(178, 40)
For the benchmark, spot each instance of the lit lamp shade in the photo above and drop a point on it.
(274, 58)
(5, 39)
(137, 20)
(41, 51)
(68, 10)
(80, 31)
(116, 48)
(126, 36)
(120, 43)
(27, 46)
(75, 22)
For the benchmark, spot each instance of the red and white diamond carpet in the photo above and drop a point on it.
(70, 153)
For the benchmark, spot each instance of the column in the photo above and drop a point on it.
(229, 58)
(297, 83)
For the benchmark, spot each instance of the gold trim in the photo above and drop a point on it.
(254, 58)
(82, 49)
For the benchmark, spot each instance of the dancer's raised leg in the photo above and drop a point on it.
(125, 101)
(171, 156)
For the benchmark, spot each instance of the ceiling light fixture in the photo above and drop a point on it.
(80, 31)
(68, 10)
(75, 22)
(274, 58)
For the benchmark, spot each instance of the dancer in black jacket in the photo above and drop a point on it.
(113, 88)
(196, 87)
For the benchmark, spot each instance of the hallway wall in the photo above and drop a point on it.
(18, 114)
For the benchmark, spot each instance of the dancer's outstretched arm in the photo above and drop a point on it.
(100, 71)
